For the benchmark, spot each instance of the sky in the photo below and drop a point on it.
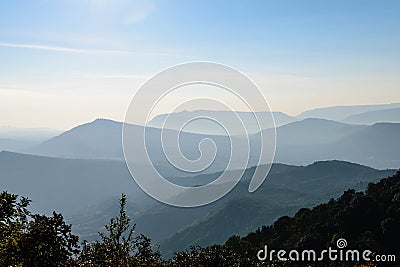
(63, 63)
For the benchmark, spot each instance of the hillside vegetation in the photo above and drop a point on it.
(368, 220)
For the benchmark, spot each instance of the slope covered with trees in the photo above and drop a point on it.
(367, 220)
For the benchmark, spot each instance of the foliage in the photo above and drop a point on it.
(13, 220)
(367, 220)
(48, 241)
(33, 240)
(118, 246)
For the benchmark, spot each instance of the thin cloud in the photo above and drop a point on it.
(126, 76)
(63, 49)
(84, 51)
(117, 76)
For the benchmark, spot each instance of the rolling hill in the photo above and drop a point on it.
(372, 117)
(300, 142)
(374, 145)
(365, 220)
(339, 113)
(285, 191)
(102, 139)
(205, 126)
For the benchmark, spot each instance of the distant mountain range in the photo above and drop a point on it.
(372, 117)
(341, 113)
(286, 189)
(375, 145)
(299, 142)
(358, 114)
(87, 192)
(81, 172)
(101, 139)
(206, 126)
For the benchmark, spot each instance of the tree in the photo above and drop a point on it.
(33, 240)
(48, 242)
(118, 246)
(13, 221)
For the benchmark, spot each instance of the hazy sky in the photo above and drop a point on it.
(63, 63)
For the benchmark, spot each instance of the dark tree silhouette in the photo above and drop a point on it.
(118, 246)
(368, 220)
(33, 240)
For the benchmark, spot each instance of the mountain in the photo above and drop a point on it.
(365, 220)
(285, 191)
(300, 142)
(102, 139)
(340, 113)
(372, 117)
(86, 192)
(206, 126)
(374, 145)
(313, 132)
(303, 142)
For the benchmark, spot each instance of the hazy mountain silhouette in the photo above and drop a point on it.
(371, 117)
(286, 189)
(339, 113)
(300, 142)
(102, 139)
(314, 131)
(205, 126)
(282, 194)
(374, 145)
(89, 188)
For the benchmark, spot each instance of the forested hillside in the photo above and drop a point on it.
(367, 220)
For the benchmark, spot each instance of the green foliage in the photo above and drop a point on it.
(48, 241)
(118, 247)
(210, 256)
(13, 221)
(368, 220)
(286, 190)
(33, 240)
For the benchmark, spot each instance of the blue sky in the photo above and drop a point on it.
(68, 62)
